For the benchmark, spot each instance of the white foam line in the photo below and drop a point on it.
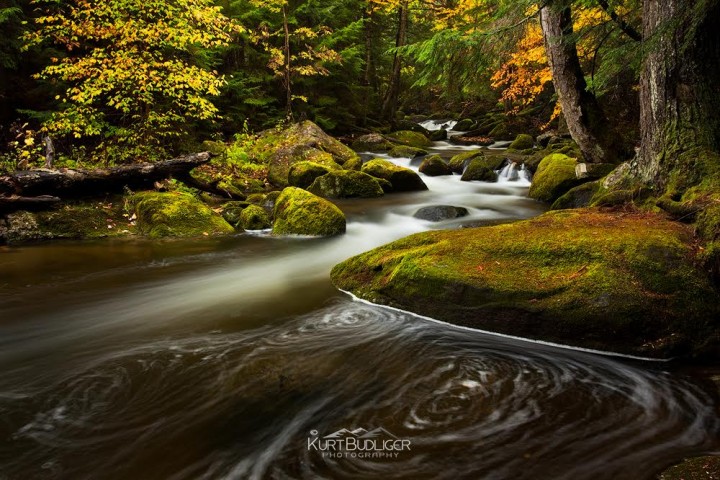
(513, 337)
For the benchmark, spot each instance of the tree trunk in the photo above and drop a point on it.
(389, 106)
(287, 79)
(585, 119)
(679, 94)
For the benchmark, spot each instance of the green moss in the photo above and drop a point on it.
(175, 215)
(283, 159)
(523, 142)
(410, 138)
(402, 179)
(303, 174)
(403, 151)
(346, 184)
(578, 197)
(621, 282)
(460, 161)
(554, 177)
(372, 142)
(298, 212)
(464, 125)
(231, 212)
(354, 164)
(434, 166)
(479, 169)
(254, 217)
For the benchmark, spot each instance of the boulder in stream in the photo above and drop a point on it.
(555, 176)
(612, 281)
(435, 166)
(299, 212)
(402, 179)
(346, 184)
(439, 213)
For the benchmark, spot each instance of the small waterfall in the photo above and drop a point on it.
(512, 172)
(434, 125)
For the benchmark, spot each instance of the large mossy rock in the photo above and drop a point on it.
(410, 138)
(555, 176)
(372, 142)
(303, 174)
(300, 142)
(298, 212)
(522, 142)
(346, 184)
(401, 179)
(616, 282)
(435, 166)
(175, 214)
(482, 169)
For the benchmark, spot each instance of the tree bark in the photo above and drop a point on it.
(679, 93)
(390, 102)
(585, 119)
(79, 183)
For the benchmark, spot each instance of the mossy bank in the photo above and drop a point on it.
(620, 282)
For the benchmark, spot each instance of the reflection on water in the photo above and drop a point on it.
(217, 358)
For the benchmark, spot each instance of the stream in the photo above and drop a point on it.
(235, 358)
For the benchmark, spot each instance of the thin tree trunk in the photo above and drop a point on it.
(679, 94)
(585, 119)
(49, 151)
(389, 106)
(286, 69)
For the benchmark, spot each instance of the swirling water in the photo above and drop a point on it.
(218, 358)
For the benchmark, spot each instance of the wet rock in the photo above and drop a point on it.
(464, 125)
(578, 197)
(410, 138)
(298, 212)
(254, 217)
(482, 169)
(372, 142)
(438, 135)
(346, 184)
(522, 142)
(283, 159)
(440, 212)
(303, 174)
(403, 151)
(231, 211)
(435, 166)
(617, 282)
(402, 179)
(459, 162)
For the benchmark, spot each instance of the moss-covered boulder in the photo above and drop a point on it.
(283, 159)
(404, 151)
(346, 184)
(410, 138)
(555, 176)
(578, 197)
(458, 162)
(231, 211)
(402, 179)
(438, 135)
(372, 142)
(354, 164)
(77, 220)
(464, 125)
(175, 214)
(303, 174)
(522, 142)
(435, 166)
(610, 281)
(480, 169)
(298, 212)
(254, 217)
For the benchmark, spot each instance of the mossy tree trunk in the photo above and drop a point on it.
(585, 119)
(679, 92)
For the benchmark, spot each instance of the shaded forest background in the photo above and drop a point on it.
(186, 71)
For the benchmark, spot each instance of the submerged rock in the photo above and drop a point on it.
(615, 282)
(175, 214)
(346, 184)
(298, 212)
(554, 177)
(440, 212)
(435, 166)
(402, 179)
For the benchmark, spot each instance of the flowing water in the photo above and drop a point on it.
(230, 358)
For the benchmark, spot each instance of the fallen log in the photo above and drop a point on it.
(14, 203)
(67, 183)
